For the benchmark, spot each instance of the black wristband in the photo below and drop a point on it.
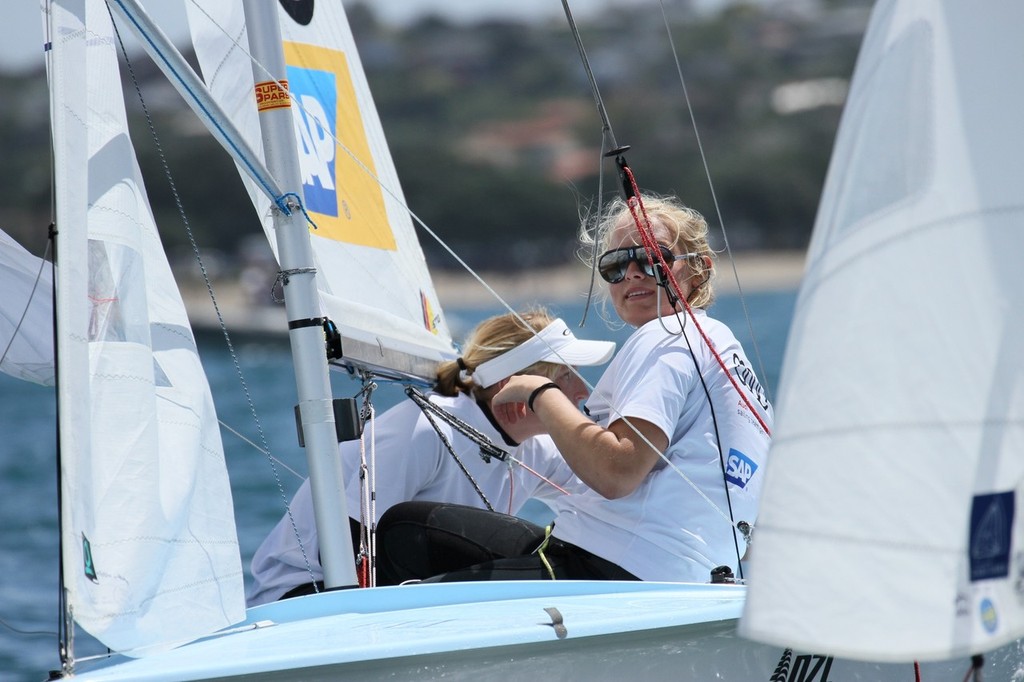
(537, 391)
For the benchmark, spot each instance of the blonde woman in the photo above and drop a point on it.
(677, 432)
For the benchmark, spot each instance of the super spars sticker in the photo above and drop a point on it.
(272, 95)
(739, 468)
(340, 184)
(991, 528)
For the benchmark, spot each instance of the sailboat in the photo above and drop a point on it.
(150, 560)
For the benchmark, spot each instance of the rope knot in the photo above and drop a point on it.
(289, 201)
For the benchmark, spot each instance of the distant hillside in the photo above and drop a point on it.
(496, 137)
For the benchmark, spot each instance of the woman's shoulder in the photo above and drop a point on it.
(665, 329)
(461, 405)
(661, 331)
(673, 339)
(408, 411)
(460, 402)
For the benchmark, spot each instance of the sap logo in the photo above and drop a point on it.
(315, 121)
(739, 468)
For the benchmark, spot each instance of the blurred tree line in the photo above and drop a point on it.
(496, 136)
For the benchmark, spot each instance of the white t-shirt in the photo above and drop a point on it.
(665, 530)
(411, 464)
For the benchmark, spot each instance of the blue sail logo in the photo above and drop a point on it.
(315, 120)
(339, 175)
(990, 532)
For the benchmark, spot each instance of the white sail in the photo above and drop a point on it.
(26, 314)
(890, 526)
(150, 552)
(372, 275)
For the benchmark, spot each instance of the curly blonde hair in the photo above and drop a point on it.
(687, 230)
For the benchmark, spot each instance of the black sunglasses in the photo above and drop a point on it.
(612, 265)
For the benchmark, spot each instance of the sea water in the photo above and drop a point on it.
(254, 399)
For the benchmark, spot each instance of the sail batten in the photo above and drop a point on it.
(891, 524)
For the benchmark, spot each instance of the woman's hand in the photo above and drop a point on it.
(510, 401)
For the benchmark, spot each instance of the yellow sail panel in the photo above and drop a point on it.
(342, 194)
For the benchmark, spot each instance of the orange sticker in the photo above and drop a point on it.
(272, 95)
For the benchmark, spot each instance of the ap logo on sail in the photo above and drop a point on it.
(315, 124)
(339, 177)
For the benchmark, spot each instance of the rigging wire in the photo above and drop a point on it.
(65, 622)
(251, 443)
(366, 557)
(27, 633)
(429, 411)
(609, 148)
(487, 448)
(714, 195)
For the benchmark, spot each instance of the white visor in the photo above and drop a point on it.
(555, 343)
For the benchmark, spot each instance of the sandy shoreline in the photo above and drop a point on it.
(764, 271)
(759, 271)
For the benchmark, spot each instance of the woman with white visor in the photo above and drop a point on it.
(424, 456)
